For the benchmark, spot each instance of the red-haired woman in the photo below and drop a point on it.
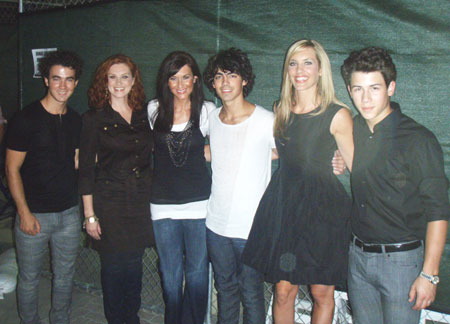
(115, 178)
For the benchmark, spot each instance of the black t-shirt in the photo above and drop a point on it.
(48, 171)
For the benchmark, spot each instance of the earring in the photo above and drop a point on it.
(106, 94)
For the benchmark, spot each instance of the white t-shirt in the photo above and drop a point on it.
(192, 210)
(241, 169)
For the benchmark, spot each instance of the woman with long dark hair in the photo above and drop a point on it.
(115, 181)
(181, 187)
(300, 233)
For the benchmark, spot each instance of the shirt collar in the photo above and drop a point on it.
(114, 115)
(391, 121)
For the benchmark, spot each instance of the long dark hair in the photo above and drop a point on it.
(169, 67)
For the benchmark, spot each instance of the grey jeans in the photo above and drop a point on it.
(62, 230)
(379, 284)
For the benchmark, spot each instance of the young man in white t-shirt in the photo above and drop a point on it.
(242, 144)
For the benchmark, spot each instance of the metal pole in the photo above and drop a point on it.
(20, 58)
(210, 290)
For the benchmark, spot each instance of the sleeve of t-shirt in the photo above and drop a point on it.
(272, 139)
(88, 152)
(433, 183)
(19, 132)
(207, 109)
(152, 111)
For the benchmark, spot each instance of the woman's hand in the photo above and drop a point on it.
(94, 230)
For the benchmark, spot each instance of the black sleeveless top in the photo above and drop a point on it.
(180, 172)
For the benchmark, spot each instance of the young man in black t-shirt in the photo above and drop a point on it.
(400, 202)
(41, 158)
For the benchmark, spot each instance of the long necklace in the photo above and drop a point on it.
(178, 144)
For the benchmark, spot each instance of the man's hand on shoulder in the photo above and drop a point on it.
(423, 291)
(338, 163)
(29, 224)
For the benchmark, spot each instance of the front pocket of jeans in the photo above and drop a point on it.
(405, 259)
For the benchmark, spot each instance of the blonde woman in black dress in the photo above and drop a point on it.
(300, 231)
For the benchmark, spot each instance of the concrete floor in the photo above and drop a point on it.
(87, 306)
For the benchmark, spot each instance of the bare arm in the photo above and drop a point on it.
(93, 229)
(342, 129)
(28, 222)
(422, 290)
(207, 153)
(76, 158)
(275, 155)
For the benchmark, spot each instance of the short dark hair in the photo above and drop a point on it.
(60, 57)
(370, 59)
(169, 67)
(233, 60)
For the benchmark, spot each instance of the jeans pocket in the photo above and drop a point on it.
(412, 258)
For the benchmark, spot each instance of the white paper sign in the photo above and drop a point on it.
(38, 54)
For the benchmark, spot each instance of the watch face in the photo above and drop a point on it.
(433, 279)
(91, 220)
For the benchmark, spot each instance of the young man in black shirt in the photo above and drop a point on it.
(400, 202)
(41, 158)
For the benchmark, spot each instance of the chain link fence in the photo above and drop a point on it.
(8, 13)
(88, 277)
(9, 9)
(51, 4)
(343, 311)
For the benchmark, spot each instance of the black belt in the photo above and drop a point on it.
(388, 248)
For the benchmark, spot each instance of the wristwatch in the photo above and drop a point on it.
(433, 279)
(90, 219)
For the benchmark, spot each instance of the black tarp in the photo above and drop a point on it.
(416, 33)
(8, 69)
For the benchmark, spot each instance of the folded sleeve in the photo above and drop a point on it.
(433, 183)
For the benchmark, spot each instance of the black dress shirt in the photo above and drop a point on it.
(398, 180)
(115, 168)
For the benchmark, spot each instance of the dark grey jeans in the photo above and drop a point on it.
(62, 230)
(379, 284)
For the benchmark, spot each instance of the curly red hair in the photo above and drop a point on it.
(97, 92)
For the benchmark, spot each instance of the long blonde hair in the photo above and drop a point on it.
(325, 87)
